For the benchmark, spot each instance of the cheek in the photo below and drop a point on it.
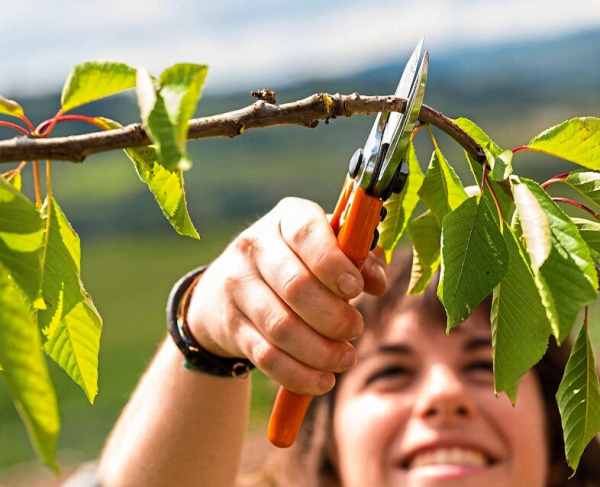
(523, 428)
(364, 428)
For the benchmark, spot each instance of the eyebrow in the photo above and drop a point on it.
(472, 344)
(475, 343)
(389, 348)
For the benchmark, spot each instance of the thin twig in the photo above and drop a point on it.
(306, 112)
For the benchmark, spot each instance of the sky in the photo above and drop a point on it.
(252, 44)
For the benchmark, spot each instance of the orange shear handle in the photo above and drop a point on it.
(355, 236)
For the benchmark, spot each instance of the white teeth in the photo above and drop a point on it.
(448, 456)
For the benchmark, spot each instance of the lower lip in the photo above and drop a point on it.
(445, 471)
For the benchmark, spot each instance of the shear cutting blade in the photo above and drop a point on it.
(403, 90)
(401, 135)
(387, 131)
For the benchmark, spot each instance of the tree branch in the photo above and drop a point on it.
(306, 112)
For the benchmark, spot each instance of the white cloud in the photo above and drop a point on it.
(250, 44)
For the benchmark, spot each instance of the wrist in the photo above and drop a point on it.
(196, 356)
(195, 312)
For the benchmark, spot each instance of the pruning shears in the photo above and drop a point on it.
(376, 172)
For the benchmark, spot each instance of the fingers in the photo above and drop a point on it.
(373, 272)
(279, 296)
(327, 313)
(306, 230)
(281, 326)
(282, 368)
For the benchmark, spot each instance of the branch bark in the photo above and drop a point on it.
(306, 112)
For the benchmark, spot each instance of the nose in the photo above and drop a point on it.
(443, 397)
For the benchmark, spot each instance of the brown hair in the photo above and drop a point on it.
(308, 463)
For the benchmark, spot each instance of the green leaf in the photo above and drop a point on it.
(158, 124)
(576, 140)
(10, 107)
(442, 190)
(535, 226)
(25, 371)
(474, 259)
(16, 181)
(500, 161)
(567, 280)
(586, 182)
(590, 233)
(426, 234)
(578, 399)
(93, 80)
(520, 328)
(71, 324)
(479, 136)
(180, 87)
(21, 239)
(505, 200)
(165, 184)
(502, 166)
(400, 206)
(166, 112)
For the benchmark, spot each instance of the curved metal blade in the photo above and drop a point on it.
(386, 124)
(399, 144)
(403, 90)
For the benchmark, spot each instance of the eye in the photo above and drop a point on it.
(390, 373)
(481, 366)
(481, 371)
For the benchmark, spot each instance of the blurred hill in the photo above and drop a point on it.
(513, 91)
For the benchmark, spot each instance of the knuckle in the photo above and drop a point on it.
(303, 380)
(345, 324)
(320, 255)
(294, 284)
(333, 358)
(294, 381)
(265, 356)
(299, 219)
(303, 233)
(230, 284)
(245, 243)
(288, 201)
(278, 326)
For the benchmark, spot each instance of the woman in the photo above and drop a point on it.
(418, 409)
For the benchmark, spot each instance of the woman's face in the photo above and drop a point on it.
(419, 410)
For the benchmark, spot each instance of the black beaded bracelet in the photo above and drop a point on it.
(195, 356)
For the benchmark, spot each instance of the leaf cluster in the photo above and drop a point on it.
(540, 268)
(44, 308)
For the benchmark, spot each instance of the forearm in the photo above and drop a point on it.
(180, 428)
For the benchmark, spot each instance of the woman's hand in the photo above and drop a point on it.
(278, 295)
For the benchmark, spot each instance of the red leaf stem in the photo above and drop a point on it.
(578, 205)
(50, 124)
(70, 118)
(28, 123)
(13, 126)
(559, 178)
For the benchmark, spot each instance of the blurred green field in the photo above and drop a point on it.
(129, 280)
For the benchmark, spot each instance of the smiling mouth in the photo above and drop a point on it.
(467, 457)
